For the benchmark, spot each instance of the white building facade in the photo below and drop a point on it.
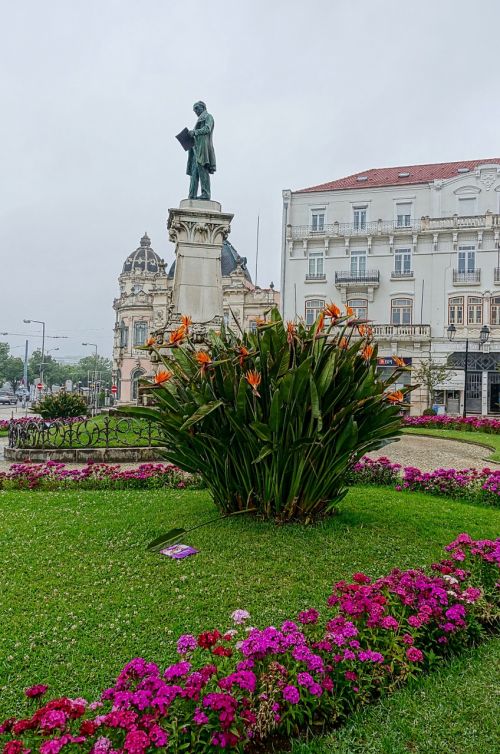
(414, 250)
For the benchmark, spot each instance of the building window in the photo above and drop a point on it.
(456, 310)
(318, 221)
(403, 214)
(359, 218)
(402, 262)
(359, 306)
(253, 325)
(495, 310)
(475, 310)
(226, 319)
(466, 259)
(123, 335)
(316, 264)
(140, 333)
(467, 206)
(134, 383)
(401, 311)
(118, 383)
(358, 263)
(313, 308)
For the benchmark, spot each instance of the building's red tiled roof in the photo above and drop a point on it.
(376, 177)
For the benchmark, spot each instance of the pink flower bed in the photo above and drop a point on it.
(55, 475)
(473, 485)
(469, 424)
(240, 688)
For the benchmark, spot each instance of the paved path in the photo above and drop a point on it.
(429, 453)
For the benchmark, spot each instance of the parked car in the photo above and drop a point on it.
(8, 399)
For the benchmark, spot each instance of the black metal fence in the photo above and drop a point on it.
(99, 432)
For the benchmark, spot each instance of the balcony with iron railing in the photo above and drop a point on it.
(357, 277)
(386, 227)
(496, 278)
(463, 277)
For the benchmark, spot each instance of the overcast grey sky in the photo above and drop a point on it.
(93, 91)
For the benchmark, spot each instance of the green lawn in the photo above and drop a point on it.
(482, 438)
(81, 595)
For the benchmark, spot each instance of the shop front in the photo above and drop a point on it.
(482, 383)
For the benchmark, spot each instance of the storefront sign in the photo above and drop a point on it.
(388, 361)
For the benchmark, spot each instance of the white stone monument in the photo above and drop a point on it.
(198, 228)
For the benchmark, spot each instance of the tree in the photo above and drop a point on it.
(11, 367)
(53, 372)
(87, 366)
(430, 374)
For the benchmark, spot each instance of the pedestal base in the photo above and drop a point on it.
(198, 229)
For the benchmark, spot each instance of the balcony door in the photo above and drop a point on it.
(358, 264)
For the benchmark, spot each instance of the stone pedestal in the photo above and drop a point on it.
(198, 229)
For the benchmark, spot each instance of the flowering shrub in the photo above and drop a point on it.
(469, 424)
(273, 420)
(61, 405)
(238, 689)
(53, 475)
(4, 425)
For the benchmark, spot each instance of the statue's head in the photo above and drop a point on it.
(199, 107)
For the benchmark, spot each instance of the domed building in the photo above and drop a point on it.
(145, 295)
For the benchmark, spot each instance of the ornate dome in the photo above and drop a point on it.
(143, 259)
(230, 259)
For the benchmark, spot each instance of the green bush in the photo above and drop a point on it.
(61, 406)
(273, 420)
(429, 412)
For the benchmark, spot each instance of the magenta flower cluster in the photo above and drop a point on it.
(470, 423)
(473, 485)
(238, 689)
(55, 475)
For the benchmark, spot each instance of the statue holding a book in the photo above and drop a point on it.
(201, 157)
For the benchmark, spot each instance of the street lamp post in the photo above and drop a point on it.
(42, 323)
(484, 334)
(95, 372)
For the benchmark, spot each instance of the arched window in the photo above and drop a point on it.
(134, 383)
(475, 310)
(495, 310)
(360, 307)
(401, 311)
(313, 307)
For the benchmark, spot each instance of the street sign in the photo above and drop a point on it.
(114, 389)
(39, 386)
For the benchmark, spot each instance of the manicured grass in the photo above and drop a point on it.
(448, 712)
(81, 595)
(482, 438)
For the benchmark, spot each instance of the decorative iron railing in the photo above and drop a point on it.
(345, 277)
(467, 278)
(99, 432)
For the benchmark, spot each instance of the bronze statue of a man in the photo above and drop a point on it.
(201, 158)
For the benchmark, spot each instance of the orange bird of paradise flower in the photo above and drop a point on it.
(177, 336)
(163, 376)
(243, 353)
(367, 352)
(320, 323)
(349, 311)
(343, 343)
(186, 321)
(365, 331)
(291, 331)
(204, 359)
(254, 379)
(259, 321)
(150, 342)
(395, 397)
(332, 311)
(398, 361)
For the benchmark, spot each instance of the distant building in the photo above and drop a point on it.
(414, 249)
(145, 293)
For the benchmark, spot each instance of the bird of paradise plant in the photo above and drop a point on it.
(274, 419)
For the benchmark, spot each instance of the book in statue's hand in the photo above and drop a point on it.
(186, 141)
